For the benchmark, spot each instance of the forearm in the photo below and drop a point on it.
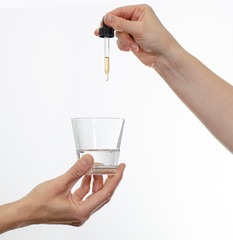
(15, 215)
(208, 96)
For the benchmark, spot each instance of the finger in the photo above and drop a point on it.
(122, 47)
(125, 12)
(132, 13)
(80, 168)
(98, 183)
(121, 25)
(104, 195)
(84, 189)
(96, 32)
(127, 40)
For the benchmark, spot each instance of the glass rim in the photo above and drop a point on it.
(93, 118)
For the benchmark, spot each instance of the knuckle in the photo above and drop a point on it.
(94, 189)
(117, 34)
(120, 45)
(146, 6)
(86, 188)
(121, 24)
(108, 194)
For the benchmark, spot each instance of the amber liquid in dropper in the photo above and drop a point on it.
(106, 67)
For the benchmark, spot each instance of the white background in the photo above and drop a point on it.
(178, 183)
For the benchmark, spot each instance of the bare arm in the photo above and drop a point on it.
(14, 215)
(208, 96)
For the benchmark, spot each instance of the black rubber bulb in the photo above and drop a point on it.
(106, 31)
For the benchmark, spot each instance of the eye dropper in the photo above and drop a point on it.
(106, 33)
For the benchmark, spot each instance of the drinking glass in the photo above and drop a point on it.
(100, 137)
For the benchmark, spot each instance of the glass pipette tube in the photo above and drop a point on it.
(106, 56)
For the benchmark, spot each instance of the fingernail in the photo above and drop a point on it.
(109, 18)
(134, 47)
(87, 160)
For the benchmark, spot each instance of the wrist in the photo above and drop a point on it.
(177, 67)
(26, 212)
(169, 61)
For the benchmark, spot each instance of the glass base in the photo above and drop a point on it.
(101, 171)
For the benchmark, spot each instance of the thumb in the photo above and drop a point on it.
(80, 168)
(120, 24)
